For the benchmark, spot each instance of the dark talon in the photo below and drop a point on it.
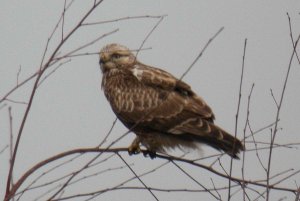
(133, 152)
(150, 153)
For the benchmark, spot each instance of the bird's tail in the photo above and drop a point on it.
(222, 141)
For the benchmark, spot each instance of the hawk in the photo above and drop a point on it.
(163, 111)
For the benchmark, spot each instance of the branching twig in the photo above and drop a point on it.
(40, 73)
(245, 127)
(273, 135)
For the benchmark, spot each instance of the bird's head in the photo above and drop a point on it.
(114, 56)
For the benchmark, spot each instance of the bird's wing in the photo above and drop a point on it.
(158, 99)
(177, 95)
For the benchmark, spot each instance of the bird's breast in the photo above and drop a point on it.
(127, 94)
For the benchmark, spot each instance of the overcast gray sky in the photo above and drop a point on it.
(70, 110)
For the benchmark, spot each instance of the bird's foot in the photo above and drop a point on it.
(152, 154)
(134, 148)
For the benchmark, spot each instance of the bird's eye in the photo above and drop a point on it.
(116, 56)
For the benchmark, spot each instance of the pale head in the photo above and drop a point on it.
(114, 56)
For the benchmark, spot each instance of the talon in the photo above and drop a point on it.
(134, 147)
(150, 153)
(134, 150)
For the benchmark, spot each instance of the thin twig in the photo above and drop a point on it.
(292, 38)
(63, 21)
(86, 166)
(123, 18)
(149, 34)
(18, 74)
(244, 131)
(92, 54)
(216, 190)
(261, 129)
(136, 176)
(18, 86)
(29, 186)
(192, 178)
(274, 99)
(53, 71)
(97, 194)
(201, 52)
(77, 180)
(256, 148)
(108, 133)
(237, 114)
(4, 148)
(11, 144)
(86, 45)
(15, 101)
(285, 178)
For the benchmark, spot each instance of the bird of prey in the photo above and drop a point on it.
(163, 111)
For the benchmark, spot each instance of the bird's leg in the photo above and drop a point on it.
(134, 148)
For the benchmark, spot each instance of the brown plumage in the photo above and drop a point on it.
(161, 110)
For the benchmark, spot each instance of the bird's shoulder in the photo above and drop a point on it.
(158, 78)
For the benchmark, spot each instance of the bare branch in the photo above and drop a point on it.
(117, 150)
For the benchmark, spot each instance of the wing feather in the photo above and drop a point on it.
(168, 87)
